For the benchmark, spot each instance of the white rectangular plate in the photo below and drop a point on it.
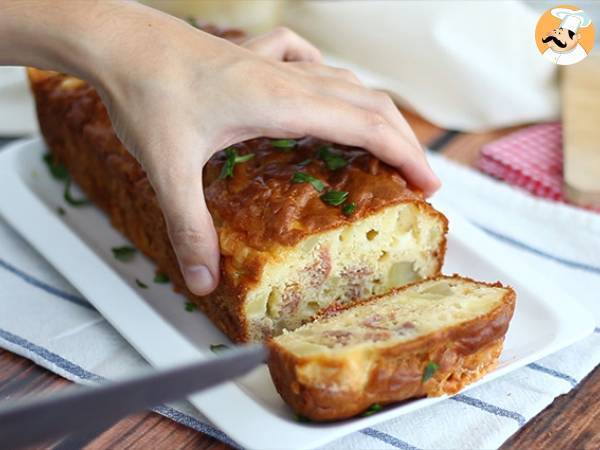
(155, 323)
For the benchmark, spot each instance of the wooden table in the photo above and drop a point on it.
(570, 422)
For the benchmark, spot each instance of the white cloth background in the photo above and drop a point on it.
(44, 319)
(461, 64)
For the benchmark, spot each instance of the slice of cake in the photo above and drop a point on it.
(302, 223)
(427, 339)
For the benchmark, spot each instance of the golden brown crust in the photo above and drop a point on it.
(296, 210)
(464, 354)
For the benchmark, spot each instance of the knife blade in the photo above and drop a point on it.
(80, 410)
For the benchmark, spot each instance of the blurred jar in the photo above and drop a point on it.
(254, 16)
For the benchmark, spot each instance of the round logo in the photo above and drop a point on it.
(565, 35)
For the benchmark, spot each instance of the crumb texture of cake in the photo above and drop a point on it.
(399, 245)
(430, 338)
(285, 252)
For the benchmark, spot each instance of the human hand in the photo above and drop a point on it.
(176, 95)
(176, 103)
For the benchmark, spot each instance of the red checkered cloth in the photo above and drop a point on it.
(531, 159)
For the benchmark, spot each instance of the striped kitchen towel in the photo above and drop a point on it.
(44, 319)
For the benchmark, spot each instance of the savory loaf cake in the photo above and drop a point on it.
(301, 224)
(429, 338)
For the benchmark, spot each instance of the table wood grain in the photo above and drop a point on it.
(572, 421)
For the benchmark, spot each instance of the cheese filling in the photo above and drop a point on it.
(395, 319)
(389, 249)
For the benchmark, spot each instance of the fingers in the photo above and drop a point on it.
(189, 224)
(345, 85)
(349, 113)
(342, 122)
(283, 44)
(327, 71)
(371, 100)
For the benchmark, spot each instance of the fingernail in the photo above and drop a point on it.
(198, 279)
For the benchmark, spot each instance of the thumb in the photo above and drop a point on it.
(191, 230)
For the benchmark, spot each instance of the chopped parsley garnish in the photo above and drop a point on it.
(333, 161)
(348, 209)
(218, 348)
(301, 177)
(284, 144)
(334, 198)
(430, 369)
(374, 408)
(232, 158)
(190, 307)
(57, 170)
(141, 284)
(124, 253)
(304, 163)
(69, 198)
(301, 418)
(60, 210)
(161, 278)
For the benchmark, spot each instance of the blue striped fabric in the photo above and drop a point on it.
(552, 372)
(78, 372)
(488, 407)
(44, 286)
(521, 245)
(388, 439)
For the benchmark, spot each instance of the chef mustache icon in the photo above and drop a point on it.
(556, 41)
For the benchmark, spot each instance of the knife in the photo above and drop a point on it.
(82, 413)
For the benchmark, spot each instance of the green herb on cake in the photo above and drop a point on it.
(430, 369)
(301, 418)
(301, 177)
(304, 163)
(60, 211)
(59, 172)
(373, 409)
(56, 169)
(77, 202)
(231, 159)
(332, 160)
(141, 284)
(124, 253)
(334, 198)
(284, 144)
(348, 209)
(161, 278)
(190, 307)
